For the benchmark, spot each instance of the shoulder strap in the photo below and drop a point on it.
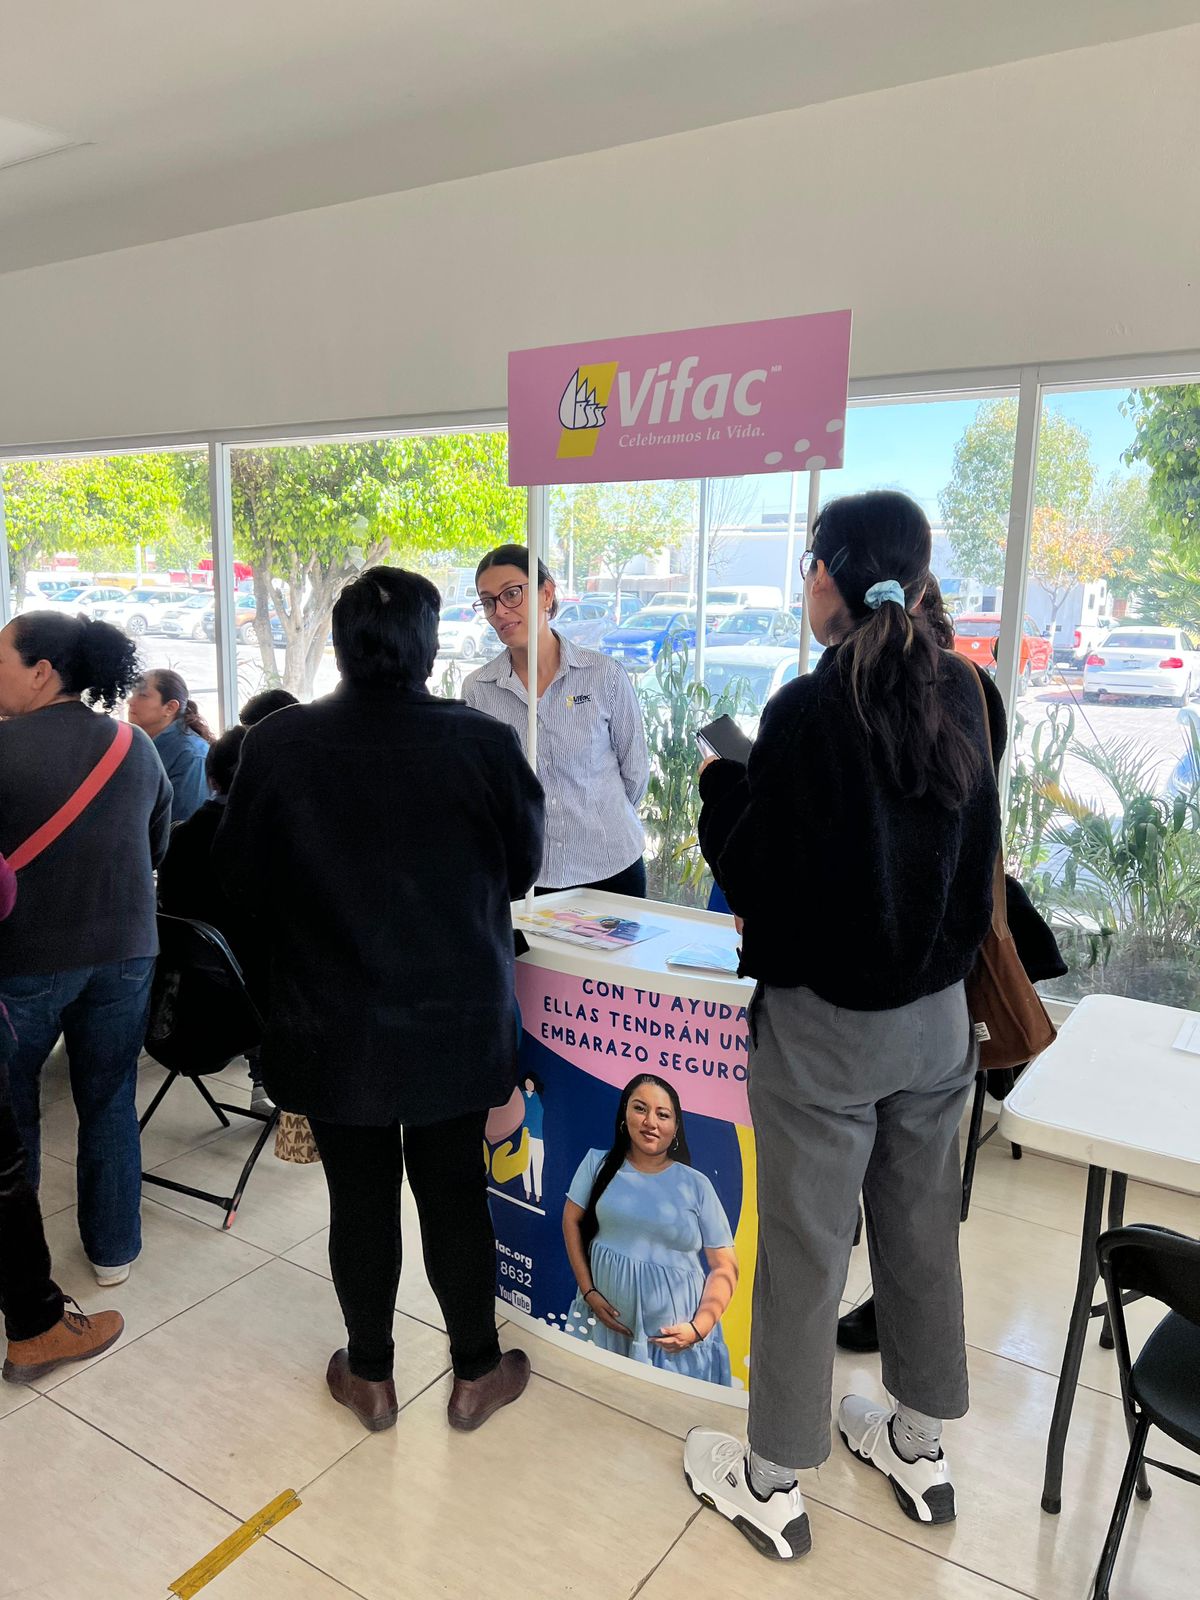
(999, 891)
(74, 808)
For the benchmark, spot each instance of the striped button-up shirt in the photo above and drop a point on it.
(592, 759)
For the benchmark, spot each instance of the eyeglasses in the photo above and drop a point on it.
(509, 598)
(809, 560)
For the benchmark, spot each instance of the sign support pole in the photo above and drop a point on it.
(701, 581)
(535, 528)
(814, 500)
(790, 557)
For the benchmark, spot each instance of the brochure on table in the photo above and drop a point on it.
(593, 1017)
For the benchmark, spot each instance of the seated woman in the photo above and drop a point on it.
(188, 886)
(636, 1221)
(160, 707)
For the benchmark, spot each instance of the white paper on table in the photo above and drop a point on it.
(1188, 1037)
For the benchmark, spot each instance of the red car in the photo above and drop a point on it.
(975, 638)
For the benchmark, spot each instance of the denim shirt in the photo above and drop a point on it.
(183, 754)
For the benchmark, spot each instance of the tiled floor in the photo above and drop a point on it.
(118, 1476)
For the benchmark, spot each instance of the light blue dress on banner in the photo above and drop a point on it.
(646, 1262)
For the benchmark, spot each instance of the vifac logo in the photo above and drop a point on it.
(582, 408)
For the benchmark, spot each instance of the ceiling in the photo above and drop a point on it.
(179, 117)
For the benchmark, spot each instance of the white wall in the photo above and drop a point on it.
(1045, 210)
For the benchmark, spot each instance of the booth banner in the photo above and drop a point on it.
(749, 397)
(583, 1041)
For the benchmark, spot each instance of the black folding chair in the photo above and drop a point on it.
(201, 1019)
(1162, 1387)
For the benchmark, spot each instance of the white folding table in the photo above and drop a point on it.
(1115, 1093)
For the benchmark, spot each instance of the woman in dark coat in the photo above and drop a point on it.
(379, 835)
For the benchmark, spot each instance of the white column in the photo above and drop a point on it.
(1016, 555)
(6, 594)
(220, 515)
(814, 502)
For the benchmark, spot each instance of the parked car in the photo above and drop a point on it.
(1144, 664)
(463, 632)
(975, 638)
(185, 618)
(88, 599)
(762, 595)
(754, 673)
(139, 611)
(640, 642)
(753, 627)
(245, 613)
(589, 618)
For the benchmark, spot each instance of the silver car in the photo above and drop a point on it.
(1144, 663)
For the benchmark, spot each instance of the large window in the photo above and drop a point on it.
(307, 517)
(124, 538)
(1103, 822)
(1104, 816)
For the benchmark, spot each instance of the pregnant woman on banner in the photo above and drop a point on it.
(636, 1221)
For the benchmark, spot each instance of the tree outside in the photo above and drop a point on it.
(608, 526)
(306, 518)
(109, 512)
(975, 503)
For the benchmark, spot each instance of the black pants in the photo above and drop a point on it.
(630, 880)
(363, 1168)
(29, 1297)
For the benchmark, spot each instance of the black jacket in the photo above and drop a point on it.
(189, 887)
(88, 899)
(847, 888)
(378, 838)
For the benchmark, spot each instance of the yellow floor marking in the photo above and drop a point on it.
(215, 1562)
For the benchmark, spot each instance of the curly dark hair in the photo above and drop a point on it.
(92, 659)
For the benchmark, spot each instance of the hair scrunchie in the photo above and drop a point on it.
(880, 593)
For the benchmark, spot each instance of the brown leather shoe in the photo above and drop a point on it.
(74, 1338)
(374, 1404)
(472, 1402)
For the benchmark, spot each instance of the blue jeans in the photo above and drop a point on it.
(101, 1012)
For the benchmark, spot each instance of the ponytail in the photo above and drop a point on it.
(92, 659)
(195, 723)
(171, 686)
(876, 547)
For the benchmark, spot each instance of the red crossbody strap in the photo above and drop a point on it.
(74, 808)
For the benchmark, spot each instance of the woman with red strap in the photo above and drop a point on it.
(86, 823)
(42, 1332)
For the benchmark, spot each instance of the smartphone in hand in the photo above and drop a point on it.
(724, 739)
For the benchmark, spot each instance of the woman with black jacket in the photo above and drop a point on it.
(379, 836)
(857, 850)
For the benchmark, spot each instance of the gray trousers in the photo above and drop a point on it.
(843, 1102)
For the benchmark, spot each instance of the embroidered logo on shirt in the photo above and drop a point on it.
(574, 700)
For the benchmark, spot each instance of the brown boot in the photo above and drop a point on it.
(73, 1338)
(374, 1404)
(472, 1402)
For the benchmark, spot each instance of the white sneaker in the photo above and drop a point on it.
(924, 1488)
(110, 1277)
(714, 1465)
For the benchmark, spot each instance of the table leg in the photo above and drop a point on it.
(1081, 1312)
(1116, 1218)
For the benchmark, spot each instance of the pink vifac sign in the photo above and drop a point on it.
(750, 397)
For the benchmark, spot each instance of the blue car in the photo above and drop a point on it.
(642, 640)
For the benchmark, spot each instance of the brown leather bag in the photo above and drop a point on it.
(1011, 1022)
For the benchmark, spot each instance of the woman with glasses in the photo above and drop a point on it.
(592, 758)
(857, 846)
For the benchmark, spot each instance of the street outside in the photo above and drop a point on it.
(1156, 726)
